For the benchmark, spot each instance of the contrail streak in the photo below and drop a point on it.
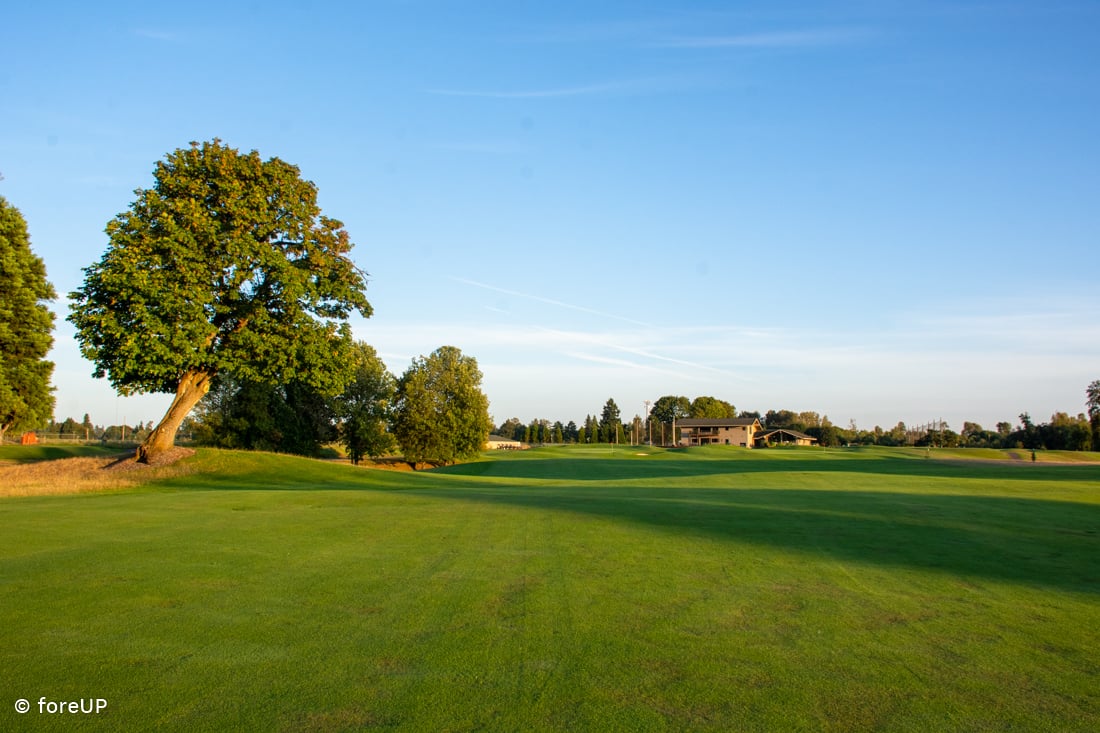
(550, 301)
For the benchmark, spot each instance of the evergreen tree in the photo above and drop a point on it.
(610, 422)
(26, 327)
(592, 429)
(1092, 402)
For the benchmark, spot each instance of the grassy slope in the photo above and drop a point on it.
(18, 454)
(998, 454)
(563, 590)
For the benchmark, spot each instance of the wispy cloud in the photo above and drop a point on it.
(811, 38)
(1059, 326)
(963, 360)
(628, 30)
(619, 363)
(549, 301)
(611, 344)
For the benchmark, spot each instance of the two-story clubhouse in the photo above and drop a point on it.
(746, 432)
(711, 431)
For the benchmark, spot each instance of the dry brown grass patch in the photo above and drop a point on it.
(83, 475)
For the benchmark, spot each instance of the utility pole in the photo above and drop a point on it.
(648, 426)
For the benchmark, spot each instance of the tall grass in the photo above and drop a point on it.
(60, 470)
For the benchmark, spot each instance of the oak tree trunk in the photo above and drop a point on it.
(192, 387)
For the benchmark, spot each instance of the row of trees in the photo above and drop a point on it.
(1063, 432)
(70, 429)
(609, 427)
(434, 413)
(296, 419)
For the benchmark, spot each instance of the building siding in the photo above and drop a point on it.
(739, 432)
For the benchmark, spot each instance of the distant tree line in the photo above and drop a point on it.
(85, 430)
(1063, 432)
(425, 413)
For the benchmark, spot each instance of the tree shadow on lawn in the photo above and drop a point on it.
(1034, 541)
(617, 469)
(1030, 541)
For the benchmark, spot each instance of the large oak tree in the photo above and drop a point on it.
(224, 266)
(26, 327)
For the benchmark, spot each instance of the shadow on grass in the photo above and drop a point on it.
(1031, 541)
(18, 454)
(653, 467)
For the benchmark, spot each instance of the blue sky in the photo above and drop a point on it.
(879, 211)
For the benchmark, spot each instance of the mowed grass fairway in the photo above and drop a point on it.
(562, 589)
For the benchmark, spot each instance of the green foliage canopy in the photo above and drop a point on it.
(1092, 394)
(712, 407)
(290, 418)
(610, 422)
(26, 327)
(440, 413)
(364, 407)
(669, 408)
(224, 267)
